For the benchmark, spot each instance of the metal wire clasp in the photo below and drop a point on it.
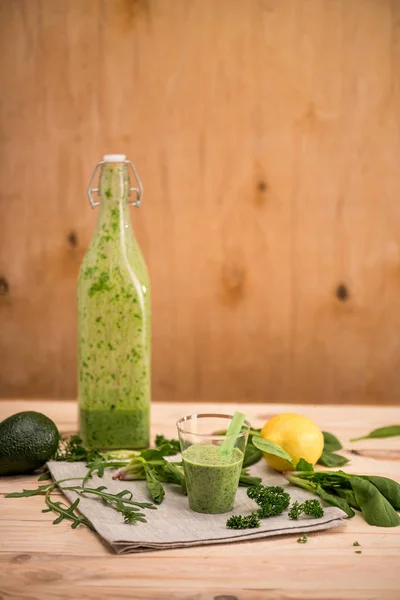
(138, 190)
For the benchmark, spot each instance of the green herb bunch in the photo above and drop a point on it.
(272, 500)
(122, 502)
(377, 498)
(312, 508)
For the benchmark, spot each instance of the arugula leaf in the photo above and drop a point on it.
(271, 448)
(375, 508)
(46, 476)
(381, 432)
(154, 485)
(41, 490)
(331, 443)
(331, 459)
(303, 465)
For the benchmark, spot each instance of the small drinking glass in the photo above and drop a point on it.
(212, 474)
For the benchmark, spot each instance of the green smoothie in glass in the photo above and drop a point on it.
(114, 322)
(212, 472)
(211, 479)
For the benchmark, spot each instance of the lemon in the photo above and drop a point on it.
(297, 435)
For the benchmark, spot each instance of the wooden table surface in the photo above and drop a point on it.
(41, 561)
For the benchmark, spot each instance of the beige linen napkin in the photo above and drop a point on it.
(174, 525)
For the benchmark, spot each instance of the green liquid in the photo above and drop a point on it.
(211, 479)
(114, 321)
(115, 428)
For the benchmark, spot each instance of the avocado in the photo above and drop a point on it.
(27, 440)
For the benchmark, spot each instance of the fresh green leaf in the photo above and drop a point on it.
(162, 441)
(153, 455)
(303, 539)
(381, 432)
(349, 496)
(46, 476)
(330, 459)
(335, 501)
(387, 487)
(246, 480)
(375, 508)
(271, 448)
(154, 485)
(72, 450)
(303, 465)
(331, 443)
(238, 522)
(356, 544)
(252, 454)
(41, 490)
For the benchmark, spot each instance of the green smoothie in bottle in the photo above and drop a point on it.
(114, 316)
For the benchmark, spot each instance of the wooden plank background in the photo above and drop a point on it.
(267, 135)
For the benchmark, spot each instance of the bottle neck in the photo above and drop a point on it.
(114, 195)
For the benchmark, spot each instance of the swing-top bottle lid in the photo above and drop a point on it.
(114, 158)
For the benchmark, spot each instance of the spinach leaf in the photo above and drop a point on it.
(387, 487)
(303, 465)
(154, 485)
(331, 443)
(381, 432)
(247, 480)
(334, 500)
(271, 448)
(375, 508)
(331, 459)
(349, 496)
(252, 454)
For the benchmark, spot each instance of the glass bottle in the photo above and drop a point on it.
(114, 320)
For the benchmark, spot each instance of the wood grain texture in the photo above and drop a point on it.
(267, 135)
(40, 561)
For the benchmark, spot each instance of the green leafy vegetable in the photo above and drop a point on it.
(312, 508)
(331, 459)
(387, 487)
(356, 544)
(238, 522)
(271, 448)
(246, 480)
(375, 509)
(175, 447)
(376, 497)
(303, 465)
(72, 450)
(122, 502)
(381, 432)
(154, 485)
(348, 495)
(272, 500)
(302, 479)
(303, 539)
(331, 443)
